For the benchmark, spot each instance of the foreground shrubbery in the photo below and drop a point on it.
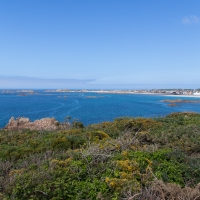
(129, 158)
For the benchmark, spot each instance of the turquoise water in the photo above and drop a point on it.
(88, 110)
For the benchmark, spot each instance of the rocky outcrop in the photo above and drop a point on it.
(175, 102)
(25, 123)
(180, 101)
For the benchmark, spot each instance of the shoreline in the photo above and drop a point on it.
(193, 96)
(170, 95)
(143, 92)
(149, 93)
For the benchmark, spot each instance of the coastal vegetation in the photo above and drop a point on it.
(129, 159)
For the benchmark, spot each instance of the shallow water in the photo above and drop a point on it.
(88, 110)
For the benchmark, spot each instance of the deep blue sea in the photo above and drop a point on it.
(87, 110)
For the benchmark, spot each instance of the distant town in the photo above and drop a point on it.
(194, 92)
(152, 91)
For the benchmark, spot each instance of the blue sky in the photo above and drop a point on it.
(101, 44)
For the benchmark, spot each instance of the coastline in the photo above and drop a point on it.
(168, 93)
(193, 96)
(80, 105)
(149, 93)
(144, 92)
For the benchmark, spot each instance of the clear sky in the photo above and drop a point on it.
(100, 44)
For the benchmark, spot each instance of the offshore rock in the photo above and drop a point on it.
(21, 123)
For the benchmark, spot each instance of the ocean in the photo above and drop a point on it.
(88, 108)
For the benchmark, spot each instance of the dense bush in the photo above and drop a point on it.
(129, 158)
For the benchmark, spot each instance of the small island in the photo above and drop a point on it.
(175, 102)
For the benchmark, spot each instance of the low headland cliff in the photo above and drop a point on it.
(21, 123)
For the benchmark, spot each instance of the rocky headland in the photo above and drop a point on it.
(21, 123)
